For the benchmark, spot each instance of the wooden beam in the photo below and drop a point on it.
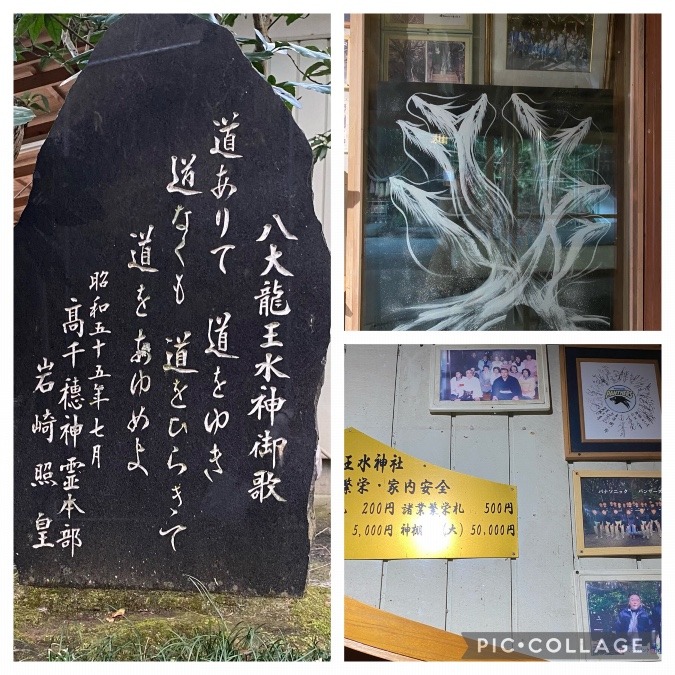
(41, 79)
(652, 228)
(388, 633)
(356, 161)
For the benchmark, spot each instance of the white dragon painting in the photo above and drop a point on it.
(473, 220)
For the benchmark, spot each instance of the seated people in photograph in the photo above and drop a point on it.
(494, 375)
(486, 381)
(472, 388)
(530, 364)
(528, 385)
(634, 618)
(456, 386)
(485, 361)
(506, 387)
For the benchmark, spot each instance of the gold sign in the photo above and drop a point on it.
(397, 506)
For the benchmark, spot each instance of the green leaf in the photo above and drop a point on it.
(291, 18)
(211, 18)
(255, 57)
(25, 22)
(287, 98)
(318, 69)
(229, 19)
(111, 19)
(312, 86)
(53, 28)
(312, 53)
(22, 115)
(36, 27)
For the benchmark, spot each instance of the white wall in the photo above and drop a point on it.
(386, 397)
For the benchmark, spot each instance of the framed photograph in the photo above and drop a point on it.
(501, 378)
(611, 403)
(535, 50)
(621, 612)
(445, 22)
(424, 57)
(617, 513)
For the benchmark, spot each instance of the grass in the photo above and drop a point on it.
(170, 626)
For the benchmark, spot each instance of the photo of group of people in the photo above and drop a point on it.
(621, 511)
(474, 375)
(627, 609)
(549, 42)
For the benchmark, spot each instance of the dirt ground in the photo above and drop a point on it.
(47, 618)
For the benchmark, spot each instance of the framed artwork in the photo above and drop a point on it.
(445, 22)
(611, 403)
(563, 50)
(424, 57)
(621, 613)
(468, 199)
(494, 378)
(617, 513)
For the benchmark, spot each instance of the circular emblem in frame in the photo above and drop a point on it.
(620, 399)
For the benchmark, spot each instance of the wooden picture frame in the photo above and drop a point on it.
(448, 395)
(601, 596)
(497, 56)
(611, 402)
(617, 513)
(426, 57)
(448, 23)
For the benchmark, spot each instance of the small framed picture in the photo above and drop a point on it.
(621, 613)
(445, 22)
(611, 402)
(563, 50)
(424, 57)
(617, 513)
(501, 378)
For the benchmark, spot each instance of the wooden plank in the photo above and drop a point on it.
(372, 651)
(355, 173)
(416, 589)
(363, 580)
(392, 633)
(370, 383)
(652, 245)
(543, 597)
(480, 447)
(370, 380)
(40, 79)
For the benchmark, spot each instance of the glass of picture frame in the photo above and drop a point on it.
(611, 402)
(617, 513)
(604, 601)
(489, 378)
(564, 50)
(426, 57)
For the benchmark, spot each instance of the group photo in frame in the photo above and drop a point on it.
(607, 603)
(493, 378)
(426, 57)
(564, 50)
(611, 402)
(617, 513)
(444, 22)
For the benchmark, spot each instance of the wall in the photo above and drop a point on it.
(386, 396)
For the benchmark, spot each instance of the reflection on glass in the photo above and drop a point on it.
(489, 208)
